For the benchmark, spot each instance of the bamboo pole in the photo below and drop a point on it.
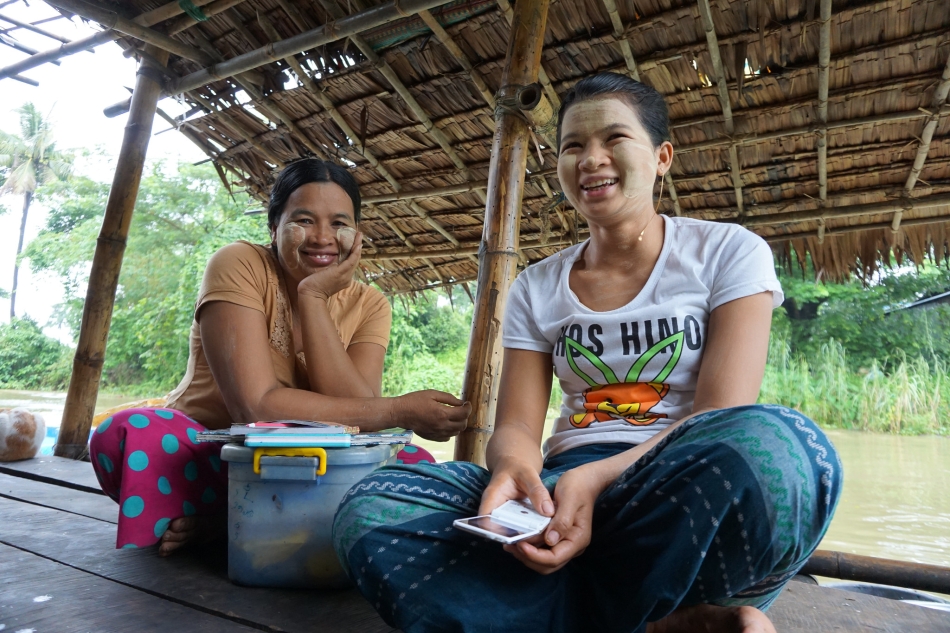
(54, 54)
(546, 84)
(618, 32)
(186, 21)
(850, 211)
(112, 20)
(448, 190)
(748, 139)
(498, 255)
(722, 86)
(335, 31)
(107, 262)
(148, 18)
(30, 27)
(878, 570)
(165, 12)
(940, 97)
(462, 250)
(824, 61)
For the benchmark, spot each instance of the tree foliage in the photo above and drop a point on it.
(31, 159)
(181, 218)
(31, 360)
(868, 321)
(26, 162)
(428, 343)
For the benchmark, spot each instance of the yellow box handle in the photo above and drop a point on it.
(309, 451)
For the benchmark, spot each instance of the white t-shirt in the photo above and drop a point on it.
(632, 371)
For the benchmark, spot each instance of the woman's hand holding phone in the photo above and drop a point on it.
(513, 480)
(569, 532)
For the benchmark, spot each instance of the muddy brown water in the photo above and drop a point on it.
(896, 500)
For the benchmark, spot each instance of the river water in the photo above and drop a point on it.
(896, 501)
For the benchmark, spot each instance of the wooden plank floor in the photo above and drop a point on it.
(57, 538)
(43, 595)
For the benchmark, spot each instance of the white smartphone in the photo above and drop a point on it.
(509, 523)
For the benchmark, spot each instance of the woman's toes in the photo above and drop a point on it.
(751, 620)
(176, 536)
(183, 524)
(168, 547)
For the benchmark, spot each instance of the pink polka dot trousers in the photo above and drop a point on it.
(150, 462)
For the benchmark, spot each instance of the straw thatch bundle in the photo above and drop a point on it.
(830, 137)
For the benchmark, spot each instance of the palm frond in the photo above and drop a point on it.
(31, 159)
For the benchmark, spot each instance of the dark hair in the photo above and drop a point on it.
(302, 172)
(648, 104)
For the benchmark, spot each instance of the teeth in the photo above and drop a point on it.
(599, 183)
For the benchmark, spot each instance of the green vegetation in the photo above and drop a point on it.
(31, 360)
(913, 397)
(428, 344)
(844, 354)
(841, 353)
(180, 220)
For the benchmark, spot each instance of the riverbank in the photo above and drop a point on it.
(911, 398)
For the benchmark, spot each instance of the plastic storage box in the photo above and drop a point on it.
(281, 503)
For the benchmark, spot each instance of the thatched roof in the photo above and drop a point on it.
(884, 96)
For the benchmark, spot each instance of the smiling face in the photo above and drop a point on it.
(307, 232)
(607, 160)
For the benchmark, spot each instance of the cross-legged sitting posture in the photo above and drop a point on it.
(677, 503)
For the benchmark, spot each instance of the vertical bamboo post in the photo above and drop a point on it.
(107, 261)
(498, 252)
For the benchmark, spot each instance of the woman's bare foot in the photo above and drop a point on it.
(707, 618)
(190, 530)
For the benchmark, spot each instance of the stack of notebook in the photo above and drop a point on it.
(301, 433)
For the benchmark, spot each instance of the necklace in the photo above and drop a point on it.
(640, 239)
(655, 212)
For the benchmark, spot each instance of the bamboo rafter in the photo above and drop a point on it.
(824, 61)
(926, 137)
(723, 89)
(338, 118)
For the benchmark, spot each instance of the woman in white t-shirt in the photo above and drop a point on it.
(674, 499)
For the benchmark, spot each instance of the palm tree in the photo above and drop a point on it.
(28, 161)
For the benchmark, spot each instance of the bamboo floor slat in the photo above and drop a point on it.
(59, 541)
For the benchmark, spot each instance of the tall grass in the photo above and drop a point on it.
(911, 397)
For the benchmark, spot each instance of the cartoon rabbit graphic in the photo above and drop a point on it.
(629, 400)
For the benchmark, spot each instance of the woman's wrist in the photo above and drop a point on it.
(395, 414)
(601, 473)
(316, 295)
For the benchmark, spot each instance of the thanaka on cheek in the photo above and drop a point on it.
(345, 237)
(567, 174)
(634, 160)
(293, 235)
